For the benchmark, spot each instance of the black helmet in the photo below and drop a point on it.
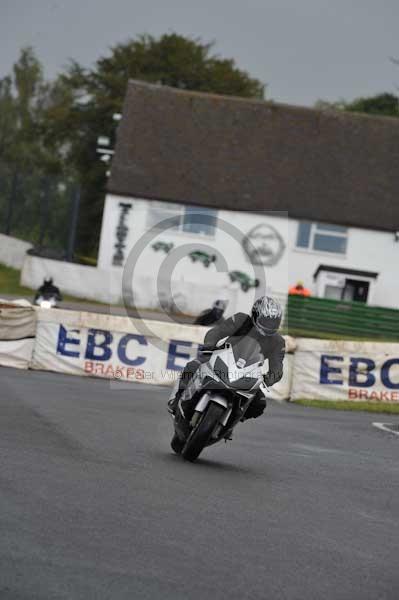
(266, 315)
(220, 304)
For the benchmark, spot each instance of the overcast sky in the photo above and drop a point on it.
(303, 49)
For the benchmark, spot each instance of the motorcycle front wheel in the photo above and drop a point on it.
(201, 434)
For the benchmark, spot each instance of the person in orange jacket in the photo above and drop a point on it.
(299, 290)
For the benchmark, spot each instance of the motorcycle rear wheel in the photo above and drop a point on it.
(199, 437)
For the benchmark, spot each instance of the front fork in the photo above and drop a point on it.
(202, 405)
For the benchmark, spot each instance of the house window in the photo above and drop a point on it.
(199, 220)
(189, 219)
(159, 211)
(322, 237)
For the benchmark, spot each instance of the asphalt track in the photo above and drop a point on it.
(303, 504)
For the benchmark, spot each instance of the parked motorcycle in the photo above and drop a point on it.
(219, 394)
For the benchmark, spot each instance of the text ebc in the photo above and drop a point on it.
(102, 344)
(361, 371)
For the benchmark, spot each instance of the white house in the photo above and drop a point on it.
(217, 194)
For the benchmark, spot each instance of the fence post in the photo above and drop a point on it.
(11, 199)
(44, 209)
(73, 224)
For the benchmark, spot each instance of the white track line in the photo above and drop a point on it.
(385, 427)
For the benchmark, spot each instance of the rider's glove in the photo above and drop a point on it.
(207, 348)
(272, 377)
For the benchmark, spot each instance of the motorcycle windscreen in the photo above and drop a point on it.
(240, 366)
(247, 350)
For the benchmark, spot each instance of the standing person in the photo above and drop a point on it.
(212, 315)
(299, 290)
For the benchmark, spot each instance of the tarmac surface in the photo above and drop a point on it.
(302, 504)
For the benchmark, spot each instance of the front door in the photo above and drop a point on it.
(355, 290)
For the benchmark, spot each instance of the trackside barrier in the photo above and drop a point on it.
(318, 317)
(344, 370)
(17, 332)
(116, 348)
(95, 345)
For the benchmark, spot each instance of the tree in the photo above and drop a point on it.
(31, 163)
(170, 60)
(83, 102)
(7, 117)
(18, 109)
(49, 129)
(24, 101)
(385, 105)
(19, 140)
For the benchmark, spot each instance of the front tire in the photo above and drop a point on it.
(202, 433)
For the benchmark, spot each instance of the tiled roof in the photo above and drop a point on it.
(241, 154)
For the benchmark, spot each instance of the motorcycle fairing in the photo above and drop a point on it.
(244, 381)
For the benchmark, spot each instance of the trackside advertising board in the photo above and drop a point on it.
(155, 352)
(16, 353)
(17, 332)
(354, 371)
(113, 347)
(116, 348)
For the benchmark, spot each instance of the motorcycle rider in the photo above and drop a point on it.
(212, 315)
(48, 290)
(263, 325)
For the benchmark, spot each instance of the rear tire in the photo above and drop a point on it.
(201, 435)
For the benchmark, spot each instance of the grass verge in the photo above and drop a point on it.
(373, 407)
(9, 282)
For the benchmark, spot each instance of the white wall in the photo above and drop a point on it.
(105, 285)
(188, 275)
(13, 251)
(337, 281)
(366, 250)
(75, 280)
(194, 287)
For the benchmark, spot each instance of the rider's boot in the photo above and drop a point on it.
(173, 403)
(228, 435)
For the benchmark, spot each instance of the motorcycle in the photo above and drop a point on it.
(46, 301)
(218, 395)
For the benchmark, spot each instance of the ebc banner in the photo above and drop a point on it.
(354, 371)
(114, 348)
(113, 355)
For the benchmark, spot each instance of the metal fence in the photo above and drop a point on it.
(320, 318)
(40, 208)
